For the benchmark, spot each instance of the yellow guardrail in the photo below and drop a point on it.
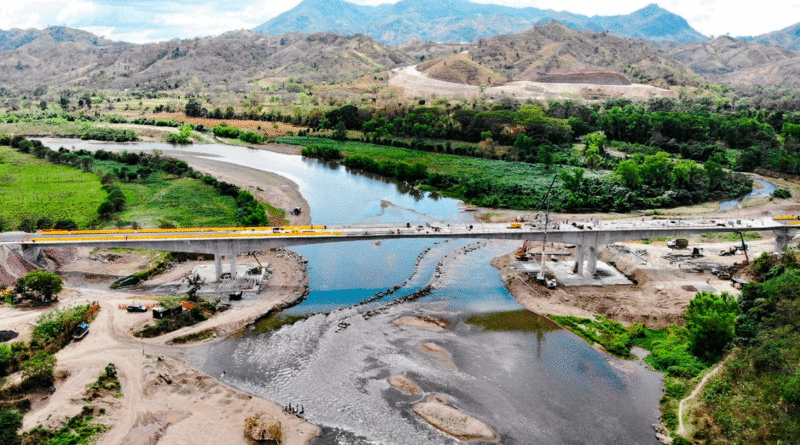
(166, 237)
(794, 223)
(182, 229)
(785, 217)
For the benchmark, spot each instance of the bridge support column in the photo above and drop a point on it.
(579, 253)
(218, 266)
(592, 263)
(31, 253)
(234, 265)
(783, 237)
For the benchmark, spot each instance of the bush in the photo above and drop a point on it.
(711, 323)
(38, 370)
(10, 423)
(782, 193)
(39, 283)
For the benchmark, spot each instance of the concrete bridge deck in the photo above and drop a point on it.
(586, 236)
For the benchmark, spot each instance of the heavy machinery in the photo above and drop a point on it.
(680, 243)
(522, 252)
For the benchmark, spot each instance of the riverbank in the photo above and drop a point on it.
(163, 398)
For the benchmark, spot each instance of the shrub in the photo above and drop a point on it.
(10, 423)
(711, 323)
(38, 370)
(782, 193)
(39, 283)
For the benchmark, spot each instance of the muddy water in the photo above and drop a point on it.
(542, 386)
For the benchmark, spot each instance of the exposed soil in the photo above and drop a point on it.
(165, 400)
(414, 83)
(657, 299)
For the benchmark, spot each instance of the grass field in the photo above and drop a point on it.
(31, 187)
(500, 171)
(184, 202)
(49, 127)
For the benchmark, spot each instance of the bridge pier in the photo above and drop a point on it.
(218, 265)
(579, 250)
(783, 237)
(234, 265)
(591, 266)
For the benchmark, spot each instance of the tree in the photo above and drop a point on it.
(710, 323)
(628, 172)
(194, 109)
(595, 140)
(5, 358)
(10, 423)
(41, 283)
(38, 370)
(340, 132)
(593, 158)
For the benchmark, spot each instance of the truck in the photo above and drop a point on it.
(679, 243)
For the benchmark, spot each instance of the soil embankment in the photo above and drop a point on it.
(164, 399)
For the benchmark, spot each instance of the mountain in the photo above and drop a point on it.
(16, 38)
(555, 53)
(233, 60)
(788, 38)
(650, 23)
(735, 62)
(464, 21)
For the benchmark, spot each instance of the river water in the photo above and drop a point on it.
(542, 387)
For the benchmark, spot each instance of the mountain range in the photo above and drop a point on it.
(239, 61)
(464, 21)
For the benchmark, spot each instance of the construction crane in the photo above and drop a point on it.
(542, 273)
(744, 249)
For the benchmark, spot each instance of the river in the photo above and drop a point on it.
(541, 387)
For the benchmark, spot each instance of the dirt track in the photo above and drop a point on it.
(415, 83)
(164, 399)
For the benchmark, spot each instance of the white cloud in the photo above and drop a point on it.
(74, 11)
(112, 33)
(145, 21)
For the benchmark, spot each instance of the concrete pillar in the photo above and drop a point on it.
(579, 250)
(783, 237)
(234, 266)
(218, 265)
(592, 263)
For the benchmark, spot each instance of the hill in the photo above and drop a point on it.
(234, 59)
(554, 52)
(460, 68)
(464, 21)
(735, 62)
(788, 38)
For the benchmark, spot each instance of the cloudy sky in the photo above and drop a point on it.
(143, 21)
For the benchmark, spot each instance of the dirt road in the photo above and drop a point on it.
(415, 83)
(164, 399)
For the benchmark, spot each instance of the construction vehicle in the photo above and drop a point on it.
(679, 243)
(522, 252)
(743, 248)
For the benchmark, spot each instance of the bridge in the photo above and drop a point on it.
(231, 241)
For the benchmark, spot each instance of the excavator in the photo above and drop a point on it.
(522, 252)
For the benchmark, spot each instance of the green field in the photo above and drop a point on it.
(484, 182)
(50, 127)
(31, 187)
(184, 202)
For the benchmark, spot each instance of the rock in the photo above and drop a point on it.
(262, 427)
(437, 398)
(662, 434)
(454, 422)
(404, 384)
